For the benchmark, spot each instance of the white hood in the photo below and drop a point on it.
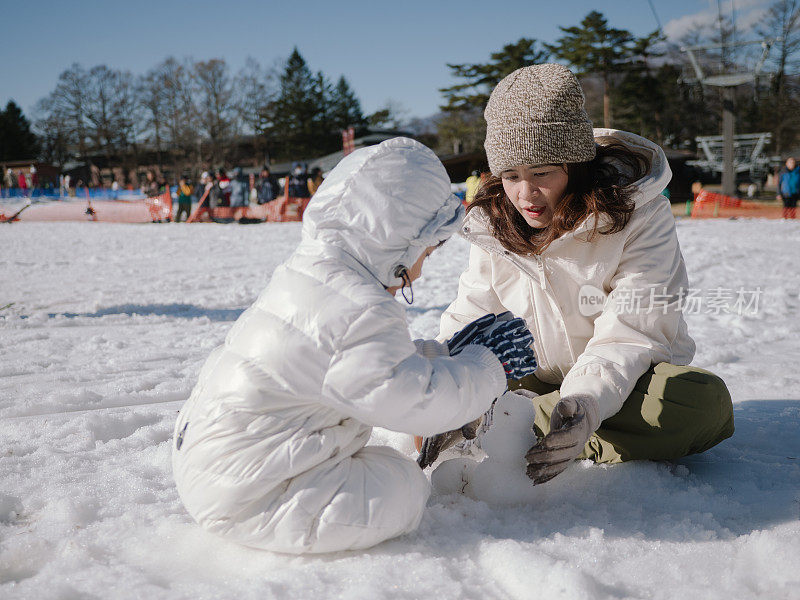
(657, 178)
(383, 205)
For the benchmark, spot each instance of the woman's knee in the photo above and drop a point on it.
(707, 394)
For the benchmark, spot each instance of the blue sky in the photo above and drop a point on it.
(388, 50)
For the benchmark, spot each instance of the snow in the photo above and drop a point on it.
(110, 324)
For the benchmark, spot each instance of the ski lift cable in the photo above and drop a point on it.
(655, 16)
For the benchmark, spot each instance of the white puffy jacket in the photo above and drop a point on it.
(270, 447)
(601, 311)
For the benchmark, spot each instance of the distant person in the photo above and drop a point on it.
(253, 198)
(69, 185)
(268, 187)
(297, 181)
(224, 183)
(240, 189)
(22, 183)
(315, 180)
(473, 183)
(200, 188)
(184, 200)
(115, 189)
(150, 187)
(34, 179)
(215, 196)
(789, 188)
(10, 181)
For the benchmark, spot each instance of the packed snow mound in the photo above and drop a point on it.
(500, 477)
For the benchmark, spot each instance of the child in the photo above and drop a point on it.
(271, 447)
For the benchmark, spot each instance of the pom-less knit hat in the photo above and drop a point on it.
(535, 116)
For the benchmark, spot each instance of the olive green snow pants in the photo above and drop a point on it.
(673, 411)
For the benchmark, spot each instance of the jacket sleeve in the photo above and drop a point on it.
(640, 319)
(476, 295)
(377, 377)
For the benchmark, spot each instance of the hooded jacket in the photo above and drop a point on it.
(240, 188)
(269, 448)
(789, 182)
(601, 311)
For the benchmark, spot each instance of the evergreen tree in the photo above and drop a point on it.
(594, 47)
(17, 141)
(481, 78)
(640, 96)
(299, 126)
(345, 110)
(461, 127)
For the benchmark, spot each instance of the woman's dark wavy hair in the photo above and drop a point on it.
(601, 186)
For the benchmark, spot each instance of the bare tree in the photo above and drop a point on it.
(51, 125)
(255, 88)
(216, 104)
(129, 118)
(180, 109)
(100, 111)
(152, 98)
(69, 102)
(255, 91)
(782, 20)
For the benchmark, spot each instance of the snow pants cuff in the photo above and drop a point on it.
(672, 412)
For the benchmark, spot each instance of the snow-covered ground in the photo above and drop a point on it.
(104, 340)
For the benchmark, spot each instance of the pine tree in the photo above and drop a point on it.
(345, 110)
(17, 141)
(595, 48)
(481, 78)
(461, 127)
(294, 124)
(640, 96)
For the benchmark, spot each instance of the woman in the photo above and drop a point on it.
(572, 234)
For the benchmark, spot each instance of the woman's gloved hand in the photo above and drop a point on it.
(573, 421)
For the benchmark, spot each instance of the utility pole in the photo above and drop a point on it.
(728, 170)
(728, 81)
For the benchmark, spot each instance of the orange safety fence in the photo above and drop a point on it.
(278, 211)
(710, 205)
(160, 207)
(155, 209)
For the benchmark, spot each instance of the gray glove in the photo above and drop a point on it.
(435, 445)
(573, 421)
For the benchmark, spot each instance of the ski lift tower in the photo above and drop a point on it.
(727, 81)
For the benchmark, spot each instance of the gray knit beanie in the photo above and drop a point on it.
(535, 116)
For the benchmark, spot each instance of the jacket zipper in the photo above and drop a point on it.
(546, 288)
(514, 260)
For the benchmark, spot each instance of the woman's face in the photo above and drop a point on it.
(535, 191)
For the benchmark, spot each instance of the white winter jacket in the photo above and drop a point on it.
(269, 448)
(601, 311)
